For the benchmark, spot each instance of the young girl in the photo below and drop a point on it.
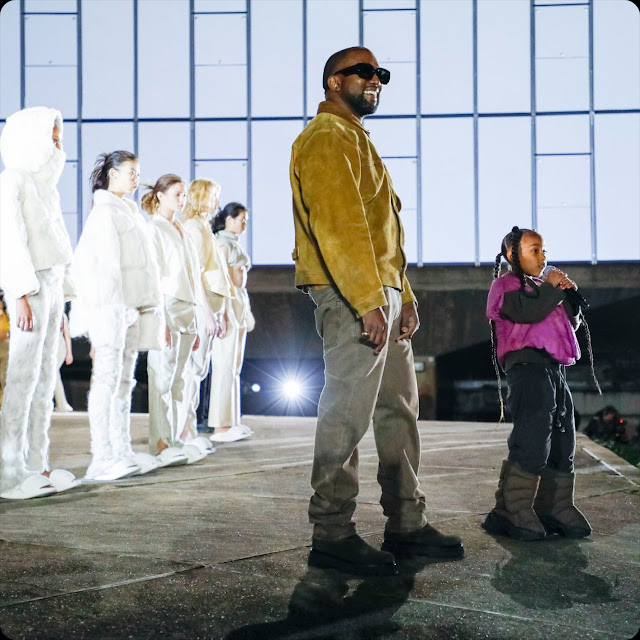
(181, 285)
(120, 307)
(228, 352)
(533, 335)
(201, 202)
(35, 253)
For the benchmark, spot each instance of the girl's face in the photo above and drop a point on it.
(172, 200)
(125, 178)
(56, 137)
(533, 255)
(238, 224)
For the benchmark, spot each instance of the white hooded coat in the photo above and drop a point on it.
(33, 236)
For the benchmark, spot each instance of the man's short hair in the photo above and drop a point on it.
(334, 63)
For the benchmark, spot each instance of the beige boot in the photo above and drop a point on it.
(513, 514)
(555, 508)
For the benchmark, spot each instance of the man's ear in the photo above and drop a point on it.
(333, 82)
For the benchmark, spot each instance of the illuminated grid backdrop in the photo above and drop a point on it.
(498, 112)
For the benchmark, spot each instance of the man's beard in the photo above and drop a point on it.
(360, 105)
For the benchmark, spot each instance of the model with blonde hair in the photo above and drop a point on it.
(182, 290)
(201, 203)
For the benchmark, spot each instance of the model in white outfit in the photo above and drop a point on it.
(202, 199)
(65, 356)
(180, 284)
(119, 306)
(228, 353)
(35, 253)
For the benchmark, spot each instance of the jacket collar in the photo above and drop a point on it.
(104, 196)
(326, 106)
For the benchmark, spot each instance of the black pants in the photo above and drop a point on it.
(205, 392)
(543, 423)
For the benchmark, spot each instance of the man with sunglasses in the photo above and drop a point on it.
(349, 258)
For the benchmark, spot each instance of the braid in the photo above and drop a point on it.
(583, 320)
(494, 344)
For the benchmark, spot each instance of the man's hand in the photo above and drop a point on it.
(24, 317)
(375, 328)
(409, 321)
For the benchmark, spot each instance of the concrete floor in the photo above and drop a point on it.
(218, 550)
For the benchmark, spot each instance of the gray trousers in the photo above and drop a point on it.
(360, 387)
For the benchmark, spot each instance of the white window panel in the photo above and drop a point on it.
(446, 50)
(107, 70)
(448, 225)
(215, 140)
(163, 147)
(276, 58)
(562, 32)
(272, 219)
(617, 144)
(394, 136)
(504, 159)
(71, 223)
(566, 234)
(391, 35)
(220, 5)
(230, 175)
(563, 181)
(99, 138)
(562, 134)
(220, 39)
(221, 92)
(403, 172)
(562, 84)
(10, 59)
(163, 58)
(50, 5)
(2, 167)
(389, 4)
(50, 40)
(326, 36)
(399, 96)
(57, 87)
(504, 56)
(68, 188)
(616, 55)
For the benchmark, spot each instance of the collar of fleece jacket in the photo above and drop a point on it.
(26, 143)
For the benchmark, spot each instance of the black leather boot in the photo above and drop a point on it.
(426, 541)
(351, 555)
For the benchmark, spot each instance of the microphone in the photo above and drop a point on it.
(571, 294)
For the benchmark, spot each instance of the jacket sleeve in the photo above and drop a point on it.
(527, 309)
(329, 171)
(407, 292)
(17, 274)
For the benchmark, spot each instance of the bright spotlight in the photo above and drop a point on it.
(292, 389)
(255, 387)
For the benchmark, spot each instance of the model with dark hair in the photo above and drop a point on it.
(228, 352)
(119, 306)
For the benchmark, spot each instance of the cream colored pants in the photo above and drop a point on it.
(166, 375)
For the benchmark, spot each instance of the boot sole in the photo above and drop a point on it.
(498, 525)
(412, 549)
(552, 525)
(324, 561)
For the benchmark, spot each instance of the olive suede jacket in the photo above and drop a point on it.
(346, 214)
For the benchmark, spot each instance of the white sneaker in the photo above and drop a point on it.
(237, 432)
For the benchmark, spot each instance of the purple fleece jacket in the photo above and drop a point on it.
(554, 334)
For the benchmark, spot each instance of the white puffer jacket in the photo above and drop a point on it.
(32, 232)
(114, 268)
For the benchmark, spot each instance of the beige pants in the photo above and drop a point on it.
(166, 375)
(227, 357)
(360, 387)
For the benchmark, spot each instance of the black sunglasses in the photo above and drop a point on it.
(366, 71)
